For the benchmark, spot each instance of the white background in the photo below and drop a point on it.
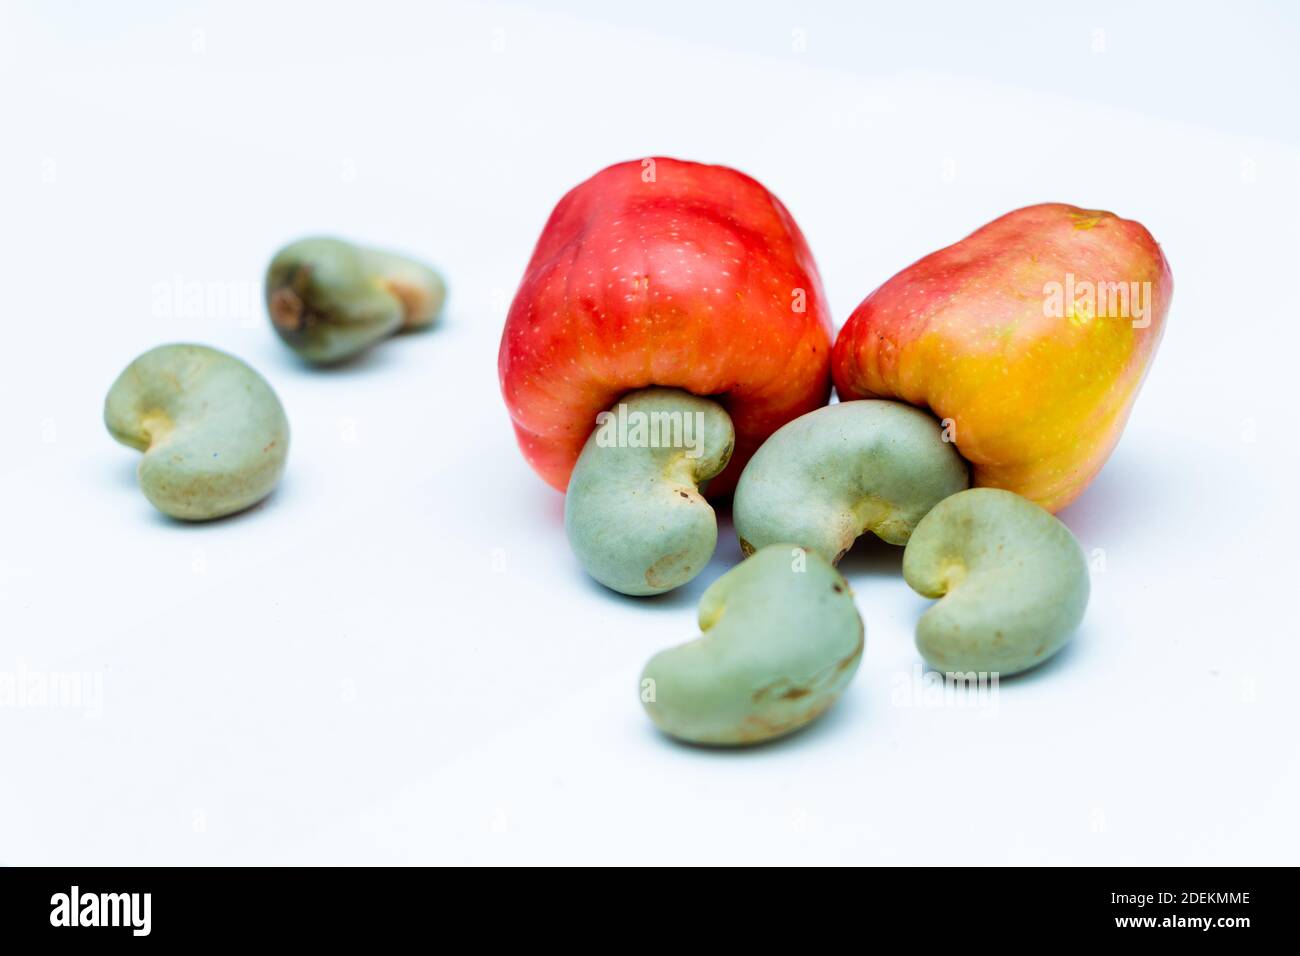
(396, 658)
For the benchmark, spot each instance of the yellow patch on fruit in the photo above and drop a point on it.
(1087, 218)
(1082, 312)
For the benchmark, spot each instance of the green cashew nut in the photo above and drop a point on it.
(634, 512)
(840, 471)
(781, 640)
(330, 300)
(213, 433)
(1013, 581)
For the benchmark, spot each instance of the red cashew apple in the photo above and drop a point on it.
(659, 272)
(1030, 338)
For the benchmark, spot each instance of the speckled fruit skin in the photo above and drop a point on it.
(1038, 402)
(694, 280)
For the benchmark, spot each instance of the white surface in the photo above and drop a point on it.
(396, 658)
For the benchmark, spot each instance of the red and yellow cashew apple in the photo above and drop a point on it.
(659, 272)
(1029, 338)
